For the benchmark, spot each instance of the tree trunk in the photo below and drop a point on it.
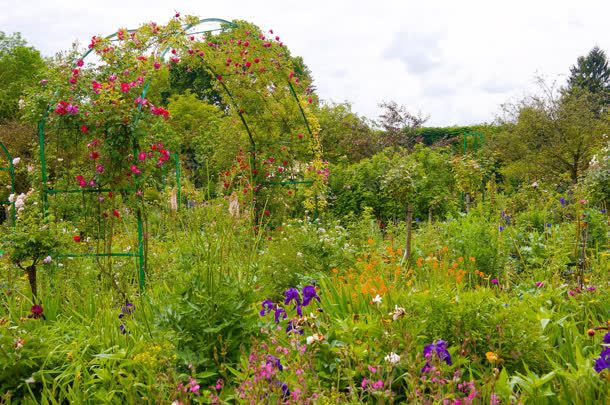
(31, 270)
(407, 254)
(574, 173)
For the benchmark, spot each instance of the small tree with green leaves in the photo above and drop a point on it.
(33, 240)
(401, 183)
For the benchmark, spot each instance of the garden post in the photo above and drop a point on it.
(408, 242)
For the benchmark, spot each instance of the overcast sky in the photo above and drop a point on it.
(456, 61)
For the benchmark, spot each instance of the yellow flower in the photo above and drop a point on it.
(492, 357)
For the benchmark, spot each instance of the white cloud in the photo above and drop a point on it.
(457, 61)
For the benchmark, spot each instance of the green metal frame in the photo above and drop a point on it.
(477, 143)
(11, 172)
(140, 255)
(477, 138)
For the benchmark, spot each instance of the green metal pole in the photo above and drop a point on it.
(294, 94)
(465, 142)
(141, 272)
(43, 163)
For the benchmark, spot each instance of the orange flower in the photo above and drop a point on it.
(492, 357)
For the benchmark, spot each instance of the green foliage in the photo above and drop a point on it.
(346, 135)
(35, 236)
(20, 68)
(550, 138)
(207, 139)
(388, 181)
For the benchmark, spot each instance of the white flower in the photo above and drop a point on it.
(11, 198)
(397, 313)
(299, 254)
(316, 337)
(16, 161)
(392, 358)
(47, 260)
(30, 380)
(535, 184)
(377, 299)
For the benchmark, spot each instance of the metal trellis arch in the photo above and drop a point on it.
(47, 190)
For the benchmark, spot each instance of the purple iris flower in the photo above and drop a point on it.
(292, 327)
(607, 338)
(426, 368)
(128, 308)
(292, 294)
(500, 228)
(603, 361)
(125, 310)
(285, 390)
(275, 362)
(309, 293)
(440, 349)
(279, 313)
(267, 307)
(563, 201)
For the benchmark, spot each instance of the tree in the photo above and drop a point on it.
(20, 66)
(591, 73)
(421, 181)
(208, 140)
(345, 134)
(399, 125)
(550, 136)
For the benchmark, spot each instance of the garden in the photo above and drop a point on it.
(183, 220)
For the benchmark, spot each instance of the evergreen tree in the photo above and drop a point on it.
(591, 73)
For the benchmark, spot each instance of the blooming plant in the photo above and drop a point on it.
(34, 239)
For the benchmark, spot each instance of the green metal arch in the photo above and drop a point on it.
(41, 142)
(140, 256)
